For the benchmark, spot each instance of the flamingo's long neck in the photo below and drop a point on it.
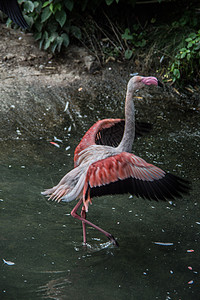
(129, 130)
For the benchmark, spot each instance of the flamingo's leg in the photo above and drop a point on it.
(83, 215)
(75, 215)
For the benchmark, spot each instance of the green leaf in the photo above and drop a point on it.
(128, 54)
(29, 6)
(188, 56)
(69, 4)
(47, 44)
(183, 54)
(109, 2)
(45, 35)
(177, 73)
(36, 4)
(37, 36)
(29, 20)
(76, 32)
(192, 35)
(51, 7)
(57, 6)
(46, 13)
(61, 17)
(41, 42)
(188, 39)
(53, 48)
(53, 37)
(126, 35)
(65, 38)
(46, 3)
(59, 42)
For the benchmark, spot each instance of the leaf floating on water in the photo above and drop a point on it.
(57, 140)
(9, 263)
(163, 244)
(55, 144)
(66, 106)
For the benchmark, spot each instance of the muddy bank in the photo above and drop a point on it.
(42, 96)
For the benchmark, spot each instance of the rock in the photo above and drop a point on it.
(9, 56)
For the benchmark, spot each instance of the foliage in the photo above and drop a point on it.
(133, 40)
(55, 22)
(49, 22)
(52, 20)
(187, 59)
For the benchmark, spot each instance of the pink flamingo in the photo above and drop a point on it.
(103, 169)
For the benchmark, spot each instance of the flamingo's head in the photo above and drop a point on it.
(138, 82)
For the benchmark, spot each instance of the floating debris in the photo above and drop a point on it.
(163, 244)
(67, 148)
(190, 250)
(80, 89)
(9, 263)
(57, 140)
(198, 223)
(66, 106)
(55, 144)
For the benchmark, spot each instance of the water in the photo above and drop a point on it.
(41, 244)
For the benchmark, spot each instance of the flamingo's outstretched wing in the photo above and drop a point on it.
(12, 9)
(127, 173)
(112, 136)
(108, 132)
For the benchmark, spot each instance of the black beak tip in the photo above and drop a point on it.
(160, 84)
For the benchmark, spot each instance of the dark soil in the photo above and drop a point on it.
(35, 86)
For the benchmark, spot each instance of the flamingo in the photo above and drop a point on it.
(101, 169)
(12, 9)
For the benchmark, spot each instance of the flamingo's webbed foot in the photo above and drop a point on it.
(113, 240)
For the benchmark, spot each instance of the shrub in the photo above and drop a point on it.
(187, 60)
(52, 21)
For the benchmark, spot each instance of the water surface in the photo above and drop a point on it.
(41, 244)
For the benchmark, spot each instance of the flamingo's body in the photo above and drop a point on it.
(12, 9)
(107, 132)
(111, 169)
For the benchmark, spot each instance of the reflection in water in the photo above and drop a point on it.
(54, 288)
(158, 257)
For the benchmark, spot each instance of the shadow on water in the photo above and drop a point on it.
(41, 244)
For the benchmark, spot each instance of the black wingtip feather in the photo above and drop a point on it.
(167, 188)
(112, 136)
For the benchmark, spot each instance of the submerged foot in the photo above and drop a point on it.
(113, 240)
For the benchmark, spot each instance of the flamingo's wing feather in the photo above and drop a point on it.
(12, 9)
(112, 136)
(127, 173)
(108, 132)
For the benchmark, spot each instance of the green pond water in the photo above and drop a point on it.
(41, 250)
